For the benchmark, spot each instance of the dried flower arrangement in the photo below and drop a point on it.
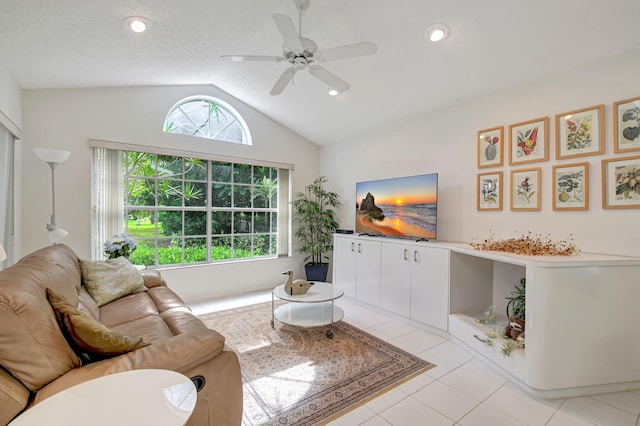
(528, 244)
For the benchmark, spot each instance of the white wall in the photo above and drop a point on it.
(67, 119)
(445, 142)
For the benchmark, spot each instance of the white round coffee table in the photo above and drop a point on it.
(135, 397)
(315, 308)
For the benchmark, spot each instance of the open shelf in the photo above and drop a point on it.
(473, 334)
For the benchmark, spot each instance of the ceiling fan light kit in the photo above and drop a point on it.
(302, 53)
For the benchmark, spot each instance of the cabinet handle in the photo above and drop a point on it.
(359, 248)
(479, 338)
(415, 255)
(405, 254)
(353, 246)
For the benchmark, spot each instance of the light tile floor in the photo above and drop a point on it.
(460, 390)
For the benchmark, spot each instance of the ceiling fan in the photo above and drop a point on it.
(302, 53)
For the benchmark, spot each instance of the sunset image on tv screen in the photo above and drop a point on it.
(401, 207)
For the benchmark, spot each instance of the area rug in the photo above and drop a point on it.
(298, 376)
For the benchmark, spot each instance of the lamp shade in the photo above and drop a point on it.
(3, 254)
(50, 155)
(57, 234)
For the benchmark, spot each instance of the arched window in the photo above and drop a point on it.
(209, 118)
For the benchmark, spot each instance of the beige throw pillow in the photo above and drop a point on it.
(111, 279)
(87, 333)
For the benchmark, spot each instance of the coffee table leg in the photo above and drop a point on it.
(329, 332)
(273, 315)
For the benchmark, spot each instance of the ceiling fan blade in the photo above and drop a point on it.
(282, 82)
(364, 48)
(239, 58)
(328, 77)
(288, 32)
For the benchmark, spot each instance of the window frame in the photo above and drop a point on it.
(108, 210)
(246, 134)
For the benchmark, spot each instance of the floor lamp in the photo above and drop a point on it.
(53, 157)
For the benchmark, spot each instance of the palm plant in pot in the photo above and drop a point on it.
(315, 225)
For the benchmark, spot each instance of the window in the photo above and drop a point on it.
(208, 118)
(185, 209)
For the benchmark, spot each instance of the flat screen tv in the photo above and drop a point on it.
(403, 207)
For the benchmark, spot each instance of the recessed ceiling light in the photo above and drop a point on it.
(332, 91)
(137, 24)
(436, 32)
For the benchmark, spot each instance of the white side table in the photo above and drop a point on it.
(315, 308)
(136, 397)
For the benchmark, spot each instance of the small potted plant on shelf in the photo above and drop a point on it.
(315, 225)
(516, 316)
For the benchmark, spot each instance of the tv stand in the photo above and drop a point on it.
(582, 320)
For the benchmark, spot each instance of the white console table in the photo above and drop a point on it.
(131, 398)
(582, 333)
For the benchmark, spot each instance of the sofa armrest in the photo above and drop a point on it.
(13, 397)
(152, 278)
(180, 353)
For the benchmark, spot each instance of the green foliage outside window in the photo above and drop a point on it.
(178, 207)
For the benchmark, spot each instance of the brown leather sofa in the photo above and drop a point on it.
(36, 361)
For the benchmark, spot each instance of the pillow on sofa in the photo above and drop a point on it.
(87, 333)
(111, 279)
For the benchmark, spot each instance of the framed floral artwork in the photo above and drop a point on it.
(525, 189)
(490, 147)
(571, 187)
(529, 141)
(621, 183)
(490, 191)
(580, 133)
(626, 125)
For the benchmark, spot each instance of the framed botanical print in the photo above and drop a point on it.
(571, 187)
(490, 147)
(626, 125)
(489, 191)
(529, 141)
(525, 189)
(580, 133)
(621, 183)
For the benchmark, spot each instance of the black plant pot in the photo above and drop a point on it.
(316, 271)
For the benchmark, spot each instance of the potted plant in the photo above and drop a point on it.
(315, 225)
(516, 311)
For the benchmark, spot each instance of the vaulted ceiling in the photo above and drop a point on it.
(493, 44)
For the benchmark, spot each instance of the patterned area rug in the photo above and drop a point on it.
(297, 376)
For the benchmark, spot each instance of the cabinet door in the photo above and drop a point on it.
(344, 265)
(430, 286)
(368, 271)
(395, 278)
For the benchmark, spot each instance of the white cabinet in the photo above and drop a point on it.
(430, 286)
(356, 268)
(368, 271)
(415, 282)
(582, 334)
(408, 278)
(395, 278)
(344, 265)
(581, 318)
